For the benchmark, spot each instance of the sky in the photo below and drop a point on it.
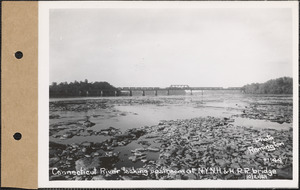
(163, 47)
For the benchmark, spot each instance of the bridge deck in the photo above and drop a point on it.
(177, 88)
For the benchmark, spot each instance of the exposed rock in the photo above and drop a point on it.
(53, 161)
(86, 144)
(132, 158)
(88, 163)
(88, 124)
(54, 116)
(183, 144)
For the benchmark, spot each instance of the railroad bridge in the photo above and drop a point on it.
(172, 88)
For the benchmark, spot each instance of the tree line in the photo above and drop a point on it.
(82, 88)
(283, 85)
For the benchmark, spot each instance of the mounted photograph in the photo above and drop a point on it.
(171, 91)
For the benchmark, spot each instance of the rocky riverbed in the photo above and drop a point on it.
(182, 145)
(280, 112)
(198, 148)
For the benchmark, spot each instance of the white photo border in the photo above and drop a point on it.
(43, 95)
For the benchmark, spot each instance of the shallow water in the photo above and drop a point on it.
(136, 112)
(127, 116)
(261, 124)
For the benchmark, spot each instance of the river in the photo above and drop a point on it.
(125, 113)
(138, 111)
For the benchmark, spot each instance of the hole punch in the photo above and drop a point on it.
(17, 136)
(19, 55)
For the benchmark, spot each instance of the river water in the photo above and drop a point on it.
(137, 111)
(134, 115)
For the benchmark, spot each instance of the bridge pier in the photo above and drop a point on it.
(173, 89)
